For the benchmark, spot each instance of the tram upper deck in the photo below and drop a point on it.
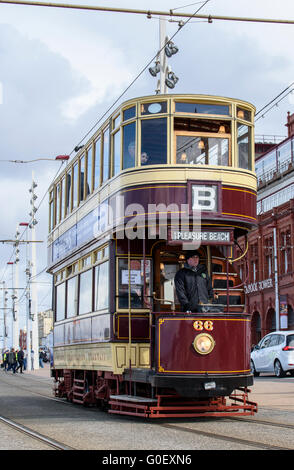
(158, 149)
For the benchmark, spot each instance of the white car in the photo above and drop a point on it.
(274, 353)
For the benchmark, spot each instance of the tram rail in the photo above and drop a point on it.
(166, 424)
(35, 435)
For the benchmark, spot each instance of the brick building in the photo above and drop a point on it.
(269, 285)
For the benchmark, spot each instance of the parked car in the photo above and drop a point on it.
(274, 353)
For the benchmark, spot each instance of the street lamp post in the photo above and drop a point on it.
(28, 300)
(34, 306)
(277, 303)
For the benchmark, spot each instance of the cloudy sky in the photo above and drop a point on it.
(61, 69)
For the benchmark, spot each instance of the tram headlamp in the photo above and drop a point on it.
(203, 343)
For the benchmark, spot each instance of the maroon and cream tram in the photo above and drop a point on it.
(164, 174)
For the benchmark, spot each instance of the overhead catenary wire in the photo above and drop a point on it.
(147, 13)
(274, 102)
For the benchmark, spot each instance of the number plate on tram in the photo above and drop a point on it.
(209, 385)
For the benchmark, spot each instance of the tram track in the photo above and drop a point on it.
(171, 426)
(222, 437)
(35, 435)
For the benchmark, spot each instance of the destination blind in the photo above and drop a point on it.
(208, 236)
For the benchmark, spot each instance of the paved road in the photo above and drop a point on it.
(81, 428)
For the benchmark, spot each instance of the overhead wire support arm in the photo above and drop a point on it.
(148, 13)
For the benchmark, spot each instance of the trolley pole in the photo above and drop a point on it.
(5, 333)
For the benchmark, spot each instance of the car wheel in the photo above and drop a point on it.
(279, 372)
(253, 370)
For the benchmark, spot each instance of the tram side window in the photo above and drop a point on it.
(60, 302)
(75, 186)
(105, 173)
(101, 286)
(82, 178)
(129, 145)
(85, 292)
(136, 282)
(129, 113)
(153, 141)
(244, 147)
(89, 172)
(72, 296)
(58, 194)
(68, 193)
(116, 153)
(62, 198)
(51, 210)
(97, 163)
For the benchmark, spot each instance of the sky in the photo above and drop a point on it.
(61, 69)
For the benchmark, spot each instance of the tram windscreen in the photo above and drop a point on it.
(196, 150)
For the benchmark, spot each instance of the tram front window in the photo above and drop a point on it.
(197, 150)
(154, 141)
(136, 283)
(244, 146)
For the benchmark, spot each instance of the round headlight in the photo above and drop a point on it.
(204, 343)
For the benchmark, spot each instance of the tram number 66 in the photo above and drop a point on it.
(199, 325)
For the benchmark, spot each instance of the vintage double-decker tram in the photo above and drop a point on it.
(162, 174)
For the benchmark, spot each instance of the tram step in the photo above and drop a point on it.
(133, 398)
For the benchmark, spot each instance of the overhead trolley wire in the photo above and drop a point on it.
(264, 111)
(148, 13)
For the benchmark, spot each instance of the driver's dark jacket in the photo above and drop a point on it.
(193, 287)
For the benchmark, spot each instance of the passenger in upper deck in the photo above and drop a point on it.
(193, 284)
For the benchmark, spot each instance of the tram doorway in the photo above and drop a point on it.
(167, 261)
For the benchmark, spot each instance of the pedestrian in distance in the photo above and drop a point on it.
(20, 357)
(193, 284)
(32, 359)
(24, 359)
(5, 359)
(41, 356)
(12, 363)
